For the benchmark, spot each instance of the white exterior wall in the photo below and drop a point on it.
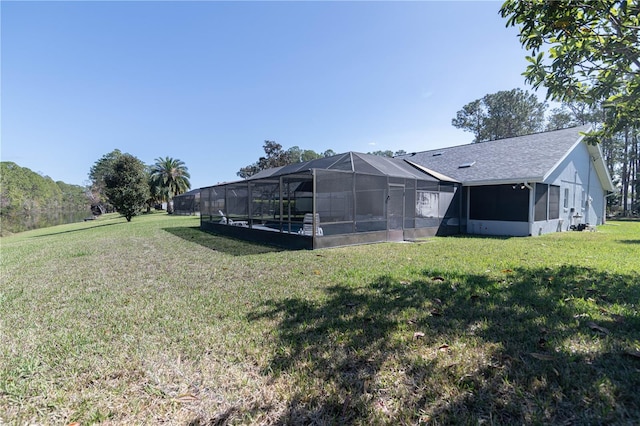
(498, 227)
(582, 198)
(547, 226)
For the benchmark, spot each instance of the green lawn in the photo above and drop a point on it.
(154, 321)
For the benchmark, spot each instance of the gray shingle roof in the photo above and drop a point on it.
(350, 161)
(523, 158)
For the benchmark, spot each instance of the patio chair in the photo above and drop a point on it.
(224, 220)
(307, 225)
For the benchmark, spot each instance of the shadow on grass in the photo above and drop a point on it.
(629, 241)
(529, 346)
(222, 244)
(48, 234)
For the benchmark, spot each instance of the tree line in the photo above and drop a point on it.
(276, 156)
(118, 182)
(23, 190)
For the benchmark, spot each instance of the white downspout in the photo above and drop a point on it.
(587, 201)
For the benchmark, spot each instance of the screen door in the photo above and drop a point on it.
(395, 213)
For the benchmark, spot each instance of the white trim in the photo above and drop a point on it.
(509, 181)
(595, 154)
(600, 167)
(433, 173)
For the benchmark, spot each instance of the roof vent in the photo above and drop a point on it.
(466, 165)
(436, 154)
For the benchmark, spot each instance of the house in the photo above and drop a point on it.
(527, 185)
(345, 199)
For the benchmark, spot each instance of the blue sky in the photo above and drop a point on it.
(208, 82)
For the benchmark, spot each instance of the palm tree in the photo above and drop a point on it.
(155, 191)
(171, 176)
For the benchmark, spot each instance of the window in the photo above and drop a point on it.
(499, 202)
(554, 201)
(547, 202)
(566, 198)
(541, 201)
(427, 204)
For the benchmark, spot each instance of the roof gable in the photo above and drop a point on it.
(595, 152)
(522, 158)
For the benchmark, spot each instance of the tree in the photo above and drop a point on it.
(592, 53)
(297, 155)
(169, 177)
(560, 118)
(248, 171)
(620, 150)
(576, 113)
(23, 190)
(275, 156)
(156, 193)
(629, 170)
(29, 197)
(471, 118)
(126, 186)
(74, 197)
(388, 153)
(501, 115)
(584, 113)
(97, 173)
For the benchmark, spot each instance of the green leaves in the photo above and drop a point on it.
(593, 46)
(502, 114)
(169, 177)
(276, 156)
(126, 186)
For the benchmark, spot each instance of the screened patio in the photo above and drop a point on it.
(341, 200)
(187, 203)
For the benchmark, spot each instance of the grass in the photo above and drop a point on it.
(154, 321)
